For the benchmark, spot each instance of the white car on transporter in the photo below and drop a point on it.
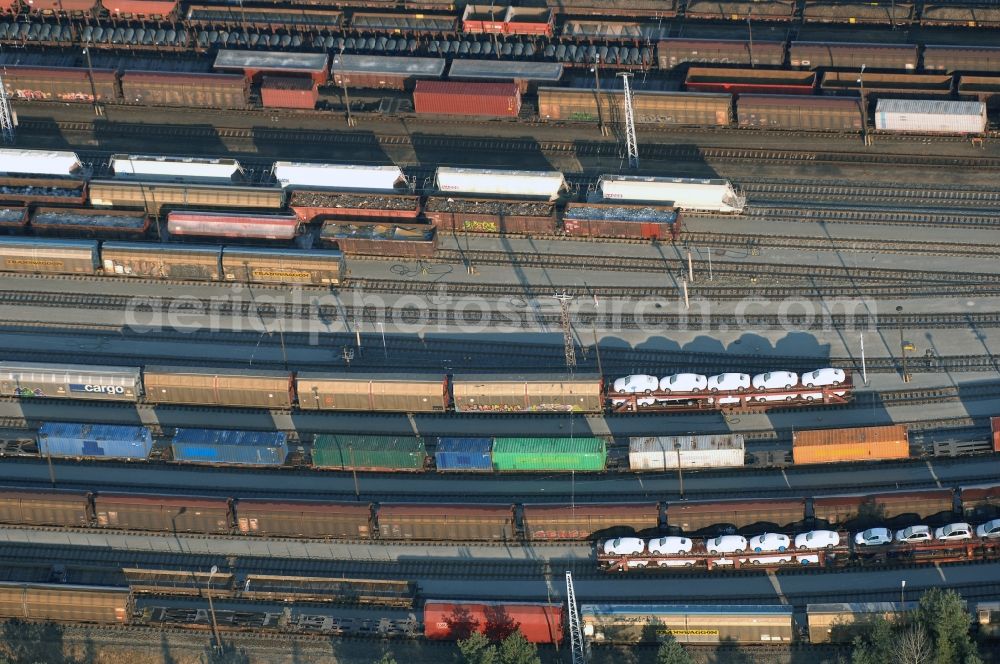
(775, 380)
(636, 384)
(684, 382)
(817, 539)
(823, 378)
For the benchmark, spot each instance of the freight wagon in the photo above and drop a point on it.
(455, 620)
(229, 225)
(155, 196)
(686, 194)
(313, 204)
(89, 222)
(377, 238)
(65, 603)
(476, 215)
(694, 624)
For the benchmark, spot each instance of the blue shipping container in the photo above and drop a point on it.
(257, 448)
(110, 441)
(464, 454)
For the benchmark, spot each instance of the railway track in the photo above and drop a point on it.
(423, 142)
(768, 211)
(721, 269)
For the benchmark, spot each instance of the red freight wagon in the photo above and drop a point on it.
(60, 6)
(760, 81)
(996, 433)
(540, 623)
(461, 98)
(140, 8)
(528, 21)
(47, 191)
(59, 83)
(288, 92)
(224, 224)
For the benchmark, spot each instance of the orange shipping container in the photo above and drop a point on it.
(859, 444)
(996, 433)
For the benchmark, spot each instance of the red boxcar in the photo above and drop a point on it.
(996, 433)
(461, 98)
(225, 224)
(140, 8)
(59, 83)
(288, 92)
(540, 623)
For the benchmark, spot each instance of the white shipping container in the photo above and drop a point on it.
(661, 452)
(175, 169)
(931, 117)
(38, 162)
(338, 176)
(489, 182)
(683, 193)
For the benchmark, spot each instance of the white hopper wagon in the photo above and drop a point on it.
(339, 176)
(38, 162)
(175, 169)
(490, 182)
(689, 194)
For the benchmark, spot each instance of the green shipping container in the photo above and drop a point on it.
(369, 452)
(587, 454)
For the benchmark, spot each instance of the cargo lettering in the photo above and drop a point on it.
(280, 274)
(97, 389)
(33, 262)
(481, 226)
(690, 632)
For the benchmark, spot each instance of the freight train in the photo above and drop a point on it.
(540, 622)
(509, 20)
(222, 447)
(415, 393)
(481, 89)
(496, 522)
